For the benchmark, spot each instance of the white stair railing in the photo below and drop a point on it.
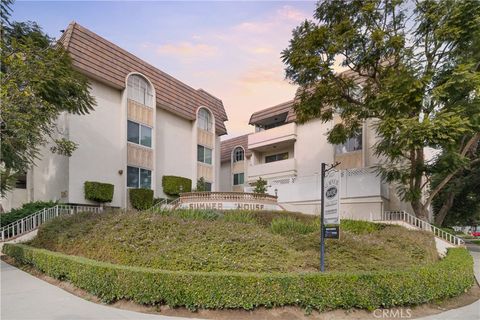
(422, 225)
(164, 204)
(33, 221)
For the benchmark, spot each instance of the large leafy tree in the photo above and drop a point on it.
(411, 67)
(459, 202)
(38, 83)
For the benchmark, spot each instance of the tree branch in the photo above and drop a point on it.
(473, 140)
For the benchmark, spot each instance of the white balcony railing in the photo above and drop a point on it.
(269, 170)
(282, 134)
(354, 183)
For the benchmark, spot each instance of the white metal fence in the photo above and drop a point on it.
(421, 224)
(33, 221)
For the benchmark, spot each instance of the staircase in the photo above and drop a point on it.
(33, 221)
(410, 221)
(164, 205)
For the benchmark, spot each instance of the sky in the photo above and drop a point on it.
(230, 49)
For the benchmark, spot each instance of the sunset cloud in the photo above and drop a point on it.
(241, 63)
(188, 49)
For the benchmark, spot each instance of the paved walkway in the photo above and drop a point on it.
(25, 297)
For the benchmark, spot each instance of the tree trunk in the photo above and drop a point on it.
(419, 209)
(447, 205)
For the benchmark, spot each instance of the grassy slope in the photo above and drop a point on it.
(239, 241)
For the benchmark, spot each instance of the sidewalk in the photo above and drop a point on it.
(25, 297)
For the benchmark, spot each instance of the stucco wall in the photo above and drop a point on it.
(14, 199)
(48, 178)
(174, 154)
(368, 208)
(216, 165)
(312, 148)
(225, 177)
(101, 153)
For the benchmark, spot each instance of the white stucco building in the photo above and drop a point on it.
(146, 124)
(289, 155)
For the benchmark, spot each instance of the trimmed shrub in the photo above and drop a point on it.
(25, 210)
(98, 191)
(141, 199)
(368, 290)
(171, 185)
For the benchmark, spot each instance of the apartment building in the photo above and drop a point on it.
(288, 155)
(146, 124)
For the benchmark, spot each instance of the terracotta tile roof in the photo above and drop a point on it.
(227, 147)
(102, 60)
(273, 111)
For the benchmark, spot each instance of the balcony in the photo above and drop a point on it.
(282, 135)
(272, 170)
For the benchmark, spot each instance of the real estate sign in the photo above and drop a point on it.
(332, 198)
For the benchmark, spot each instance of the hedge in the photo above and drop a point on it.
(449, 277)
(98, 191)
(171, 185)
(141, 199)
(25, 210)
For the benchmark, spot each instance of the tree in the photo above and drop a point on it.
(38, 83)
(410, 67)
(201, 185)
(260, 186)
(459, 202)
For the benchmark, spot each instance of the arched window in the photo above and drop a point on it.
(139, 90)
(238, 154)
(205, 121)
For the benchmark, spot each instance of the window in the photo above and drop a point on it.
(204, 154)
(139, 134)
(205, 120)
(208, 186)
(276, 157)
(21, 182)
(238, 178)
(238, 154)
(139, 178)
(133, 132)
(139, 90)
(352, 144)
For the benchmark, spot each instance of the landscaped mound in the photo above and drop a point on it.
(237, 241)
(206, 259)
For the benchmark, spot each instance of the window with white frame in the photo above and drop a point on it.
(139, 134)
(352, 144)
(139, 178)
(139, 90)
(238, 154)
(205, 120)
(204, 154)
(238, 178)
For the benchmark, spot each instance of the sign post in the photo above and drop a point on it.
(329, 212)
